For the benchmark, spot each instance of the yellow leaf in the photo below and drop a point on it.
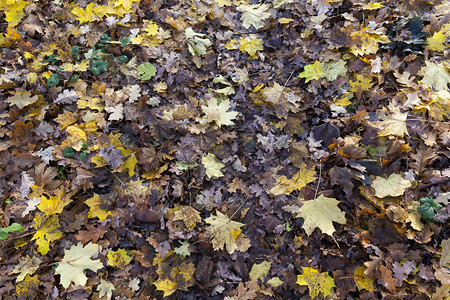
(393, 123)
(14, 11)
(105, 289)
(344, 100)
(362, 280)
(155, 174)
(172, 278)
(260, 271)
(27, 265)
(298, 180)
(368, 41)
(65, 119)
(75, 139)
(98, 161)
(85, 15)
(372, 6)
(189, 215)
(232, 45)
(75, 261)
(47, 232)
(258, 87)
(316, 282)
(435, 76)
(250, 46)
(29, 287)
(321, 213)
(55, 204)
(222, 3)
(275, 282)
(212, 166)
(151, 29)
(32, 77)
(118, 259)
(95, 211)
(221, 231)
(285, 20)
(394, 186)
(311, 72)
(130, 164)
(218, 113)
(437, 42)
(254, 15)
(361, 84)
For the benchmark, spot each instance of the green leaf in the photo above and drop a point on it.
(428, 208)
(69, 152)
(52, 80)
(14, 227)
(146, 71)
(125, 41)
(3, 234)
(99, 66)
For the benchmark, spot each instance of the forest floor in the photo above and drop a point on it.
(224, 149)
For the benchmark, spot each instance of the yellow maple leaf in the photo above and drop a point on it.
(316, 282)
(85, 15)
(151, 29)
(437, 41)
(361, 84)
(14, 11)
(47, 232)
(65, 119)
(372, 6)
(298, 180)
(368, 41)
(393, 123)
(95, 211)
(189, 215)
(321, 213)
(394, 186)
(313, 71)
(223, 232)
(29, 287)
(130, 164)
(118, 259)
(172, 278)
(218, 113)
(212, 166)
(254, 15)
(75, 261)
(75, 139)
(363, 282)
(55, 204)
(250, 46)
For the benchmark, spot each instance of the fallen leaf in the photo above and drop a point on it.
(172, 278)
(394, 186)
(316, 282)
(75, 261)
(223, 232)
(321, 213)
(118, 259)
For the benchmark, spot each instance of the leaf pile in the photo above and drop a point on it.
(225, 149)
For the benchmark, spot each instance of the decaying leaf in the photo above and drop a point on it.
(298, 180)
(118, 259)
(223, 232)
(172, 278)
(316, 282)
